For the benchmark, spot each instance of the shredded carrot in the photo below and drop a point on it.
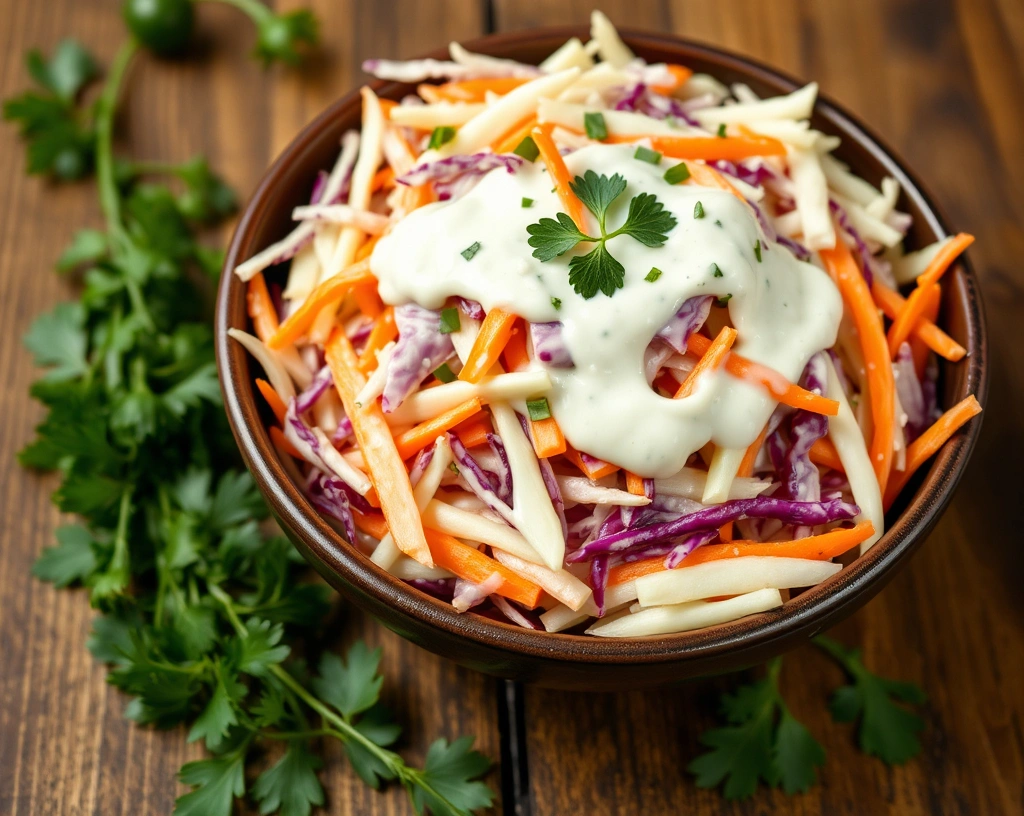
(278, 438)
(559, 174)
(823, 452)
(367, 299)
(711, 360)
(415, 439)
(666, 382)
(366, 249)
(510, 140)
(708, 148)
(383, 180)
(261, 308)
(383, 332)
(927, 444)
(631, 570)
(593, 469)
(634, 484)
(515, 349)
(892, 305)
(327, 294)
(844, 270)
(494, 334)
(745, 469)
(822, 547)
(547, 437)
(385, 466)
(919, 350)
(473, 431)
(944, 259)
(428, 93)
(706, 176)
(273, 399)
(680, 74)
(476, 90)
(386, 105)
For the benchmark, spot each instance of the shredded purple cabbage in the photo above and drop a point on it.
(481, 482)
(549, 344)
(420, 349)
(799, 475)
(419, 465)
(687, 546)
(686, 322)
(504, 473)
(548, 474)
(456, 175)
(599, 581)
(442, 588)
(867, 259)
(800, 252)
(515, 613)
(641, 99)
(343, 431)
(789, 512)
(319, 183)
(321, 382)
(911, 394)
(471, 308)
(328, 494)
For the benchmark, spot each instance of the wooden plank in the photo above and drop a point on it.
(64, 745)
(942, 81)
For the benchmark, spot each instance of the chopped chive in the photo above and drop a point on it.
(444, 373)
(527, 203)
(653, 275)
(441, 135)
(594, 124)
(538, 409)
(677, 173)
(470, 251)
(698, 210)
(454, 468)
(757, 250)
(556, 302)
(528, 149)
(450, 321)
(645, 154)
(715, 271)
(718, 223)
(724, 300)
(721, 131)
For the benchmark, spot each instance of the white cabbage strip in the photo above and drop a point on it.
(665, 620)
(558, 583)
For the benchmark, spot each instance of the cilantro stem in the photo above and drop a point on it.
(106, 105)
(838, 653)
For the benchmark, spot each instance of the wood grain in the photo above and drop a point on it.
(943, 81)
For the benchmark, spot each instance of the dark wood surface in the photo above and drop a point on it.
(942, 81)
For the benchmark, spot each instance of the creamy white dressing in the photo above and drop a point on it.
(784, 310)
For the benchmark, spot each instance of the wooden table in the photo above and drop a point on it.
(942, 80)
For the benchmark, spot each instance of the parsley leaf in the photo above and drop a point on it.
(72, 560)
(598, 192)
(58, 341)
(551, 238)
(596, 271)
(69, 70)
(647, 221)
(218, 781)
(886, 730)
(351, 685)
(449, 771)
(291, 786)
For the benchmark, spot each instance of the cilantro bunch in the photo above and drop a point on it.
(207, 621)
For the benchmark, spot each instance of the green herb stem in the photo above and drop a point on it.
(106, 106)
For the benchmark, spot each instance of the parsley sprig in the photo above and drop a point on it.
(598, 271)
(202, 612)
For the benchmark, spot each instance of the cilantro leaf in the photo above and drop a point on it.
(598, 192)
(647, 221)
(596, 271)
(886, 730)
(71, 560)
(551, 238)
(450, 772)
(291, 787)
(351, 685)
(59, 342)
(218, 780)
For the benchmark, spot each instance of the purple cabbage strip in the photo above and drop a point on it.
(442, 588)
(755, 176)
(866, 258)
(420, 349)
(361, 332)
(799, 475)
(480, 481)
(515, 613)
(687, 546)
(911, 394)
(599, 581)
(419, 466)
(504, 488)
(632, 98)
(929, 387)
(471, 308)
(319, 183)
(549, 344)
(548, 474)
(343, 431)
(446, 171)
(321, 382)
(641, 99)
(789, 512)
(800, 252)
(686, 322)
(328, 495)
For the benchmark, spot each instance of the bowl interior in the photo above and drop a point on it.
(267, 218)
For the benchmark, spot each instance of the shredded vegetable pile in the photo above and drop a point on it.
(428, 435)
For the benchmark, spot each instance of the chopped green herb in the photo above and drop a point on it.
(722, 301)
(450, 321)
(677, 173)
(721, 131)
(556, 302)
(653, 275)
(647, 221)
(470, 251)
(757, 250)
(698, 210)
(645, 154)
(715, 271)
(527, 203)
(528, 149)
(454, 468)
(594, 124)
(718, 223)
(441, 136)
(444, 373)
(538, 409)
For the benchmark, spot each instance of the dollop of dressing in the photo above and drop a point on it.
(784, 310)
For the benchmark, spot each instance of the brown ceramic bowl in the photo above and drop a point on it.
(570, 660)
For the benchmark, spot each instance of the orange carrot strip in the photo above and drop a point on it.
(515, 349)
(366, 249)
(510, 140)
(382, 333)
(680, 73)
(881, 387)
(594, 469)
(327, 294)
(892, 304)
(384, 179)
(746, 468)
(372, 524)
(559, 177)
(261, 307)
(367, 299)
(415, 439)
(706, 176)
(630, 571)
(475, 90)
(823, 452)
(666, 382)
(822, 547)
(927, 444)
(473, 431)
(278, 438)
(428, 93)
(708, 148)
(944, 259)
(711, 360)
(547, 437)
(634, 483)
(918, 348)
(383, 461)
(494, 334)
(273, 399)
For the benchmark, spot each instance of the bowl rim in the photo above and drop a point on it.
(813, 610)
